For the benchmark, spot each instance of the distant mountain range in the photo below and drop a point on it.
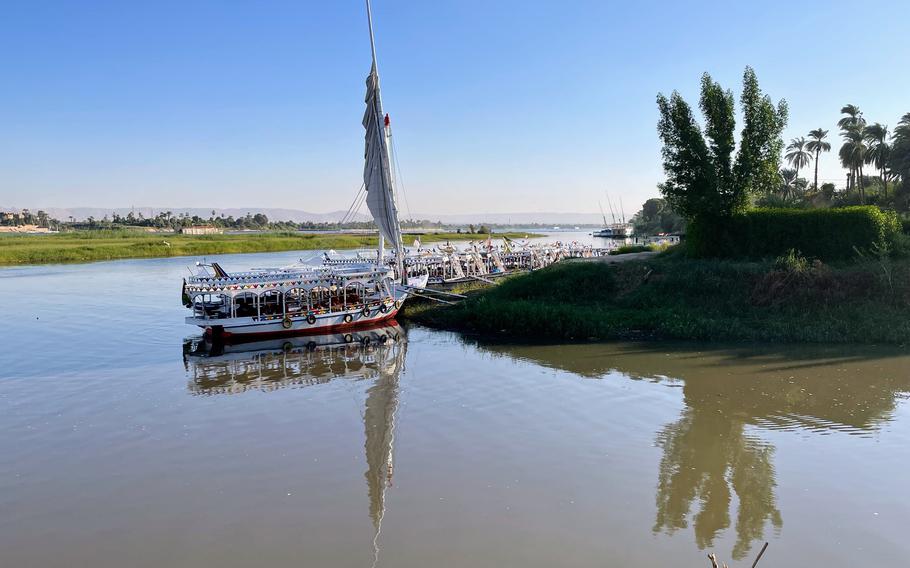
(274, 214)
(299, 216)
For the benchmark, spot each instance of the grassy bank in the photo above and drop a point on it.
(675, 297)
(87, 246)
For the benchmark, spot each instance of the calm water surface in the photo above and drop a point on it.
(124, 442)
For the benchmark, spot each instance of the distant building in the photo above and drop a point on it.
(32, 229)
(201, 230)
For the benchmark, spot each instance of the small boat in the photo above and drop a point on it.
(616, 229)
(302, 299)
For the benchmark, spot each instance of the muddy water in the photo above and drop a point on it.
(126, 441)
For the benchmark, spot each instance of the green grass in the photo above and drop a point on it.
(87, 246)
(630, 249)
(674, 297)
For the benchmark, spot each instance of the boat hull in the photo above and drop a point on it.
(239, 328)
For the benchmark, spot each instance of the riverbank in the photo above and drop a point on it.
(89, 246)
(673, 297)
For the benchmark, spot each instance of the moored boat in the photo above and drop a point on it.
(317, 299)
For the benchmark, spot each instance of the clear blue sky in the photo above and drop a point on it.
(498, 106)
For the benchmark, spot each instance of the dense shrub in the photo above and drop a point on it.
(629, 249)
(827, 234)
(791, 298)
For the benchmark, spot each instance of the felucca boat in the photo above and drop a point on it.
(303, 299)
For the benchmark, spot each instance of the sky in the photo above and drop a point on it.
(496, 106)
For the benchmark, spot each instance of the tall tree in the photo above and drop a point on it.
(876, 137)
(899, 160)
(853, 156)
(797, 154)
(788, 177)
(703, 179)
(818, 144)
(851, 127)
(761, 144)
(853, 119)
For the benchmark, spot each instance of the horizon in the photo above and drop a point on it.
(118, 104)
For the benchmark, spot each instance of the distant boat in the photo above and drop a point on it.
(302, 299)
(614, 230)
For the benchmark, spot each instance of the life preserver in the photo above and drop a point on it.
(383, 308)
(311, 319)
(348, 338)
(286, 323)
(348, 318)
(365, 311)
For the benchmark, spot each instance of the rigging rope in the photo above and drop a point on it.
(352, 210)
(399, 177)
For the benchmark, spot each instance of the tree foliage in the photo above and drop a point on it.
(656, 216)
(899, 156)
(703, 177)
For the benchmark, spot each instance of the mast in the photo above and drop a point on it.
(612, 214)
(377, 172)
(602, 214)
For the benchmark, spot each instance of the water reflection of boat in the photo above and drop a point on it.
(376, 355)
(220, 368)
(714, 454)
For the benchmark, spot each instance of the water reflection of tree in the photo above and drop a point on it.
(709, 455)
(705, 454)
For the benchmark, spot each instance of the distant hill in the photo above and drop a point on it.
(516, 219)
(274, 214)
(299, 216)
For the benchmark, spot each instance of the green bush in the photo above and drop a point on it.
(629, 249)
(905, 225)
(827, 234)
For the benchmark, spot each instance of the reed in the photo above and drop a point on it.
(88, 246)
(679, 298)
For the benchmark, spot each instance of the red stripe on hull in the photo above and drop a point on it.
(385, 320)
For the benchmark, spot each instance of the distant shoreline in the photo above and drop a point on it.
(96, 246)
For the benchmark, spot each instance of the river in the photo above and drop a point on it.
(126, 442)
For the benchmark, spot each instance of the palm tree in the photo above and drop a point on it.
(797, 154)
(817, 144)
(853, 119)
(876, 137)
(852, 126)
(788, 183)
(853, 156)
(899, 160)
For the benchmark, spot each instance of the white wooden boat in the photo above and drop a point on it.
(304, 299)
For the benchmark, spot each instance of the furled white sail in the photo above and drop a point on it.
(377, 173)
